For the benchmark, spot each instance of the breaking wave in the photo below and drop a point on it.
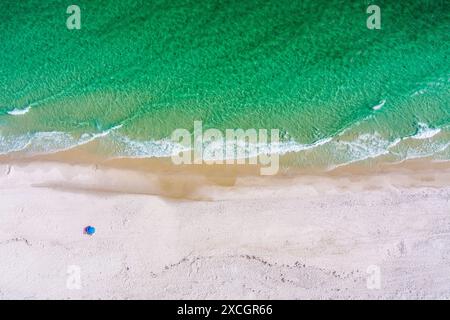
(425, 132)
(19, 112)
(339, 150)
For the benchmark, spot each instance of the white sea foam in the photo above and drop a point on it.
(366, 146)
(338, 151)
(146, 149)
(246, 150)
(88, 137)
(419, 92)
(379, 105)
(212, 150)
(12, 144)
(425, 132)
(19, 112)
(422, 151)
(46, 142)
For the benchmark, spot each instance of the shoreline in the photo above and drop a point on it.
(86, 155)
(158, 176)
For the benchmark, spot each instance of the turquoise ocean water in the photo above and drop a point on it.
(137, 70)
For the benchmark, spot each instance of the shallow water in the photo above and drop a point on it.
(137, 70)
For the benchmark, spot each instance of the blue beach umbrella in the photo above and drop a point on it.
(89, 230)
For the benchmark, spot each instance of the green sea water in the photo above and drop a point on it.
(137, 70)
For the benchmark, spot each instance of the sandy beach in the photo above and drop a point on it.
(163, 235)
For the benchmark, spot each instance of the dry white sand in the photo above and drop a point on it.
(304, 238)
